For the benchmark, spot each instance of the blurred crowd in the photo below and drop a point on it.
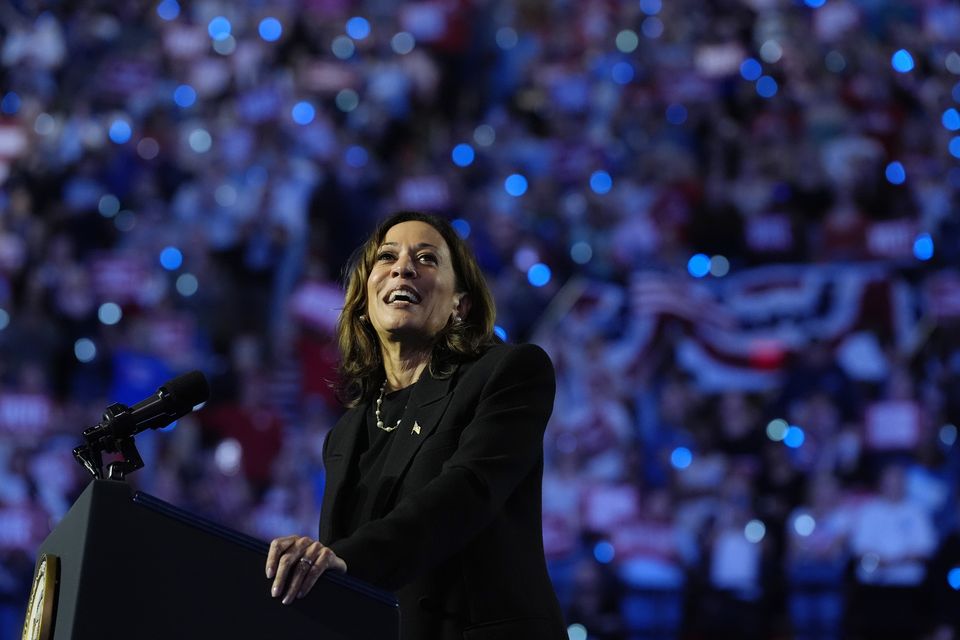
(733, 225)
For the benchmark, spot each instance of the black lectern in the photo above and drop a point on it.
(134, 567)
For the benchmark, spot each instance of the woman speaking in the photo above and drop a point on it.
(434, 473)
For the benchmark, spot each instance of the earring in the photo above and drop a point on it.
(363, 317)
(457, 319)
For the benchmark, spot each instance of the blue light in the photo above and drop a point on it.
(956, 92)
(120, 131)
(954, 147)
(953, 578)
(357, 157)
(951, 119)
(358, 28)
(515, 184)
(902, 61)
(814, 4)
(462, 227)
(171, 258)
(651, 7)
(923, 247)
(219, 28)
(581, 252)
(463, 155)
(895, 173)
(699, 265)
(681, 458)
(10, 103)
(676, 114)
(185, 96)
(500, 332)
(303, 113)
(601, 182)
(604, 552)
(750, 69)
(168, 10)
(766, 87)
(270, 29)
(795, 437)
(538, 274)
(622, 73)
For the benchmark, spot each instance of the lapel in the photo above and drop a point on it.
(428, 401)
(338, 464)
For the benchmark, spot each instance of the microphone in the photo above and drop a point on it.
(174, 399)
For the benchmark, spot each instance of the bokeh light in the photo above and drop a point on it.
(755, 531)
(577, 631)
(500, 332)
(902, 61)
(303, 113)
(225, 46)
(200, 140)
(676, 114)
(652, 27)
(506, 38)
(622, 72)
(539, 274)
(120, 131)
(358, 27)
(581, 252)
(402, 43)
(228, 456)
(923, 247)
(766, 87)
(777, 429)
(814, 4)
(171, 258)
(515, 184)
(795, 437)
(804, 525)
(484, 135)
(184, 96)
(771, 51)
(600, 182)
(85, 350)
(168, 10)
(627, 41)
(948, 434)
(347, 100)
(719, 266)
(750, 69)
(951, 119)
(10, 104)
(604, 552)
(462, 155)
(45, 124)
(148, 148)
(895, 173)
(681, 458)
(699, 265)
(4, 319)
(270, 29)
(651, 7)
(187, 285)
(462, 227)
(219, 28)
(109, 313)
(954, 147)
(109, 205)
(343, 47)
(953, 578)
(356, 156)
(835, 62)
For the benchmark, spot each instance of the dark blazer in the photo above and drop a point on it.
(456, 530)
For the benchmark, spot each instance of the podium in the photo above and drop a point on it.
(133, 567)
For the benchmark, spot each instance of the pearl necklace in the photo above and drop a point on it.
(376, 411)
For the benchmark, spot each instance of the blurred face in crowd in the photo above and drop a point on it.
(411, 291)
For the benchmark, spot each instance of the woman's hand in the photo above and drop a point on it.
(296, 563)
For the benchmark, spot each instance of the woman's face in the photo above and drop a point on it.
(411, 291)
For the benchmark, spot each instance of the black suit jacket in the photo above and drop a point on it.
(456, 530)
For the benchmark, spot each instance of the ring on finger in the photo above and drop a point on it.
(305, 564)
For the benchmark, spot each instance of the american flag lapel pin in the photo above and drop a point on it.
(416, 428)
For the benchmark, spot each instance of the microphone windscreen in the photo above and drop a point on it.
(187, 391)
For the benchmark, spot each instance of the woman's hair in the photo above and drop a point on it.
(361, 366)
